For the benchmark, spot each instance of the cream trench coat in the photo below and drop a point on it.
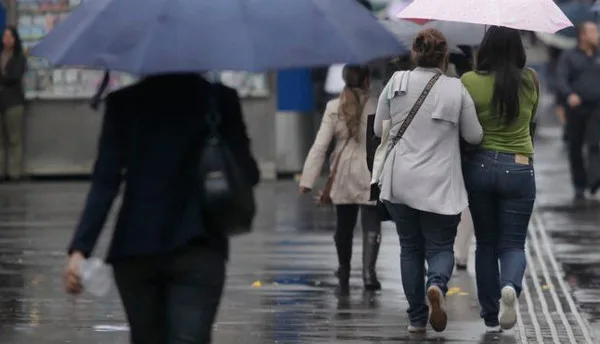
(351, 184)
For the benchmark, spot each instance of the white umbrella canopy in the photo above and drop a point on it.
(531, 15)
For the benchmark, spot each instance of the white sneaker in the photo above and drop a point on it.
(416, 329)
(493, 329)
(508, 308)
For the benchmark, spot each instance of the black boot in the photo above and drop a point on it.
(344, 252)
(371, 242)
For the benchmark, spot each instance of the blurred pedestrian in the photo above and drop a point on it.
(169, 264)
(579, 87)
(499, 174)
(345, 120)
(463, 63)
(421, 183)
(13, 65)
(554, 54)
(464, 240)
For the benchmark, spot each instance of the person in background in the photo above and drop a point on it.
(169, 264)
(499, 174)
(463, 63)
(554, 54)
(13, 65)
(464, 240)
(579, 87)
(422, 183)
(345, 121)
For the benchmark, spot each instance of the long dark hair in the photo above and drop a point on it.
(18, 46)
(502, 53)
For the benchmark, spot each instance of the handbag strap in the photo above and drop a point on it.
(337, 158)
(414, 110)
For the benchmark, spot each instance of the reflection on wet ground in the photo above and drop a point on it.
(280, 282)
(574, 228)
(280, 285)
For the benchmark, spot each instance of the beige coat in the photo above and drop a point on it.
(352, 181)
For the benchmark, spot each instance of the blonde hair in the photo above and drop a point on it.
(353, 97)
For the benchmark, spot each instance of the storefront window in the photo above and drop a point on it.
(36, 18)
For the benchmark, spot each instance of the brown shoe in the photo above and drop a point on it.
(437, 308)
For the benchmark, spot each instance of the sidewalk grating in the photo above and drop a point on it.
(548, 314)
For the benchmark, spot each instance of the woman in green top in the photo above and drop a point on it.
(499, 174)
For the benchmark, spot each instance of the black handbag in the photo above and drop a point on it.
(372, 143)
(228, 203)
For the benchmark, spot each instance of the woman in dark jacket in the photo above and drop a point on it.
(13, 64)
(169, 265)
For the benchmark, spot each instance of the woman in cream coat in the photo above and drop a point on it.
(345, 120)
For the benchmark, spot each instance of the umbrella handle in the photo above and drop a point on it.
(97, 98)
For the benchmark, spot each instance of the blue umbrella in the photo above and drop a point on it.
(168, 36)
(577, 12)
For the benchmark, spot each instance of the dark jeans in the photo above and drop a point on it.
(501, 196)
(347, 215)
(423, 236)
(172, 299)
(583, 128)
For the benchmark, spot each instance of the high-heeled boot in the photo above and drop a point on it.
(371, 243)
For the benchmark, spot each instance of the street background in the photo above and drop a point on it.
(281, 286)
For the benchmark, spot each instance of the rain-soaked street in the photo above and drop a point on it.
(281, 285)
(574, 230)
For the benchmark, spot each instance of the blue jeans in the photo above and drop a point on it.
(501, 196)
(423, 236)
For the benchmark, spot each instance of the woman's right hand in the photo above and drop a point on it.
(72, 276)
(303, 190)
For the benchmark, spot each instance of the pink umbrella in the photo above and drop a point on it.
(397, 6)
(531, 15)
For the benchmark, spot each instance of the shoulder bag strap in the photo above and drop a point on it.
(414, 110)
(337, 159)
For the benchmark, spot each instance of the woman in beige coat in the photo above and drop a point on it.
(345, 119)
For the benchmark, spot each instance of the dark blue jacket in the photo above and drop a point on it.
(151, 135)
(579, 73)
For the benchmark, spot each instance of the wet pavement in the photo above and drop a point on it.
(280, 283)
(574, 229)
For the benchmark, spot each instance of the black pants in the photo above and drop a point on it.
(172, 299)
(347, 215)
(582, 131)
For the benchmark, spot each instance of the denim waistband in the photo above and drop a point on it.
(499, 156)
